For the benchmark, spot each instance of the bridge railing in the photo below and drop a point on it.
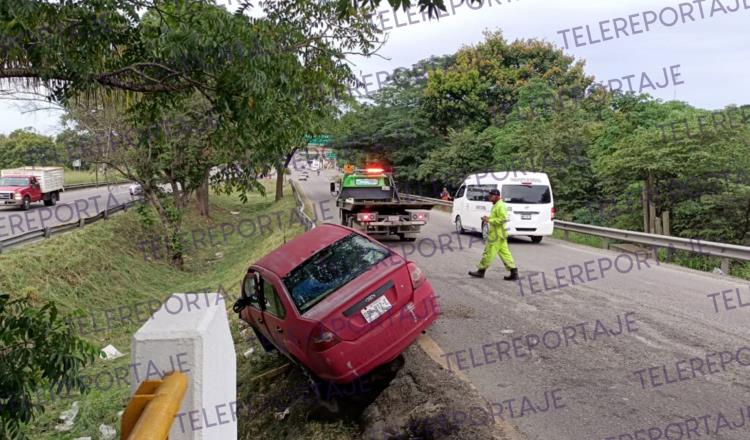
(726, 252)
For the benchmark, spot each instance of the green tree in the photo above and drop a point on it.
(37, 350)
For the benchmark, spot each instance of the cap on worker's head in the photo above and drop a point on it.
(494, 192)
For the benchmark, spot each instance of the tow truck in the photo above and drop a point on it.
(368, 200)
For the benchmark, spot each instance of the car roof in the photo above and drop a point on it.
(506, 177)
(286, 257)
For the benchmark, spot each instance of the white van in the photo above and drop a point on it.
(527, 196)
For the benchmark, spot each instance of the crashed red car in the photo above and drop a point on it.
(337, 302)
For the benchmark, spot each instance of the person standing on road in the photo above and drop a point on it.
(497, 239)
(445, 195)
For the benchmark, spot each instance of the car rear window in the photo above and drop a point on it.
(329, 269)
(530, 194)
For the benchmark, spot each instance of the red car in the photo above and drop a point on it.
(337, 302)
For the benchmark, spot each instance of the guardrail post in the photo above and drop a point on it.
(605, 243)
(190, 333)
(81, 222)
(106, 214)
(46, 232)
(566, 235)
(726, 264)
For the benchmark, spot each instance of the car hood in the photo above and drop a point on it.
(11, 188)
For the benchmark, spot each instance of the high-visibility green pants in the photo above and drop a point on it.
(497, 246)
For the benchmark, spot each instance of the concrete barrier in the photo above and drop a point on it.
(190, 333)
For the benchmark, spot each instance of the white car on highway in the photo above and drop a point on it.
(527, 195)
(135, 189)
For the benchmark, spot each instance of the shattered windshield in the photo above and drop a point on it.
(332, 268)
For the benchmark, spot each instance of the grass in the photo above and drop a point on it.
(73, 177)
(101, 267)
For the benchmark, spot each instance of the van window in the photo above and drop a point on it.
(479, 193)
(460, 192)
(529, 194)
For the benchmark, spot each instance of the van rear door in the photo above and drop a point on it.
(529, 206)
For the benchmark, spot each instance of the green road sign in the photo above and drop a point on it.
(324, 139)
(331, 155)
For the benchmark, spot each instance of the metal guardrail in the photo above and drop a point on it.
(711, 248)
(93, 184)
(309, 224)
(49, 231)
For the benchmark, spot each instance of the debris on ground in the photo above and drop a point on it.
(111, 353)
(249, 353)
(281, 415)
(67, 418)
(107, 432)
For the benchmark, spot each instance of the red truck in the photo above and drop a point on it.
(26, 185)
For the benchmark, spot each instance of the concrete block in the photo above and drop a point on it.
(190, 333)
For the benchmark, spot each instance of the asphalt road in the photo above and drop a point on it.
(71, 206)
(610, 384)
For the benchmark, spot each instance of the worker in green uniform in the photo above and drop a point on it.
(497, 240)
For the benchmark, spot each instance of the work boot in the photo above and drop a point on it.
(513, 275)
(478, 274)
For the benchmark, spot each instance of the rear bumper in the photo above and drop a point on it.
(544, 228)
(348, 360)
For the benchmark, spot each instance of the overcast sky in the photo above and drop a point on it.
(707, 59)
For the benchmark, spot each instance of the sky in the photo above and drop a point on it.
(695, 51)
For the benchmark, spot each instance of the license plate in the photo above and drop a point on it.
(394, 218)
(376, 309)
(525, 216)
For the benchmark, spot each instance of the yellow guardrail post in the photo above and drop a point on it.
(151, 411)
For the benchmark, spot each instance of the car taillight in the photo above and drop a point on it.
(552, 213)
(417, 276)
(419, 216)
(322, 339)
(367, 216)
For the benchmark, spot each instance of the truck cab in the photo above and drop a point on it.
(24, 186)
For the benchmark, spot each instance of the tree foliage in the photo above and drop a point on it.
(37, 350)
(524, 105)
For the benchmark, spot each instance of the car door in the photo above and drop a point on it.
(35, 189)
(276, 312)
(253, 313)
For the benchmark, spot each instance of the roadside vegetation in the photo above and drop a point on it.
(102, 267)
(619, 160)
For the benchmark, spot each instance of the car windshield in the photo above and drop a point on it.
(14, 181)
(331, 268)
(530, 194)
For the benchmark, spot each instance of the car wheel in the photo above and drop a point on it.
(536, 239)
(459, 226)
(52, 201)
(26, 204)
(485, 231)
